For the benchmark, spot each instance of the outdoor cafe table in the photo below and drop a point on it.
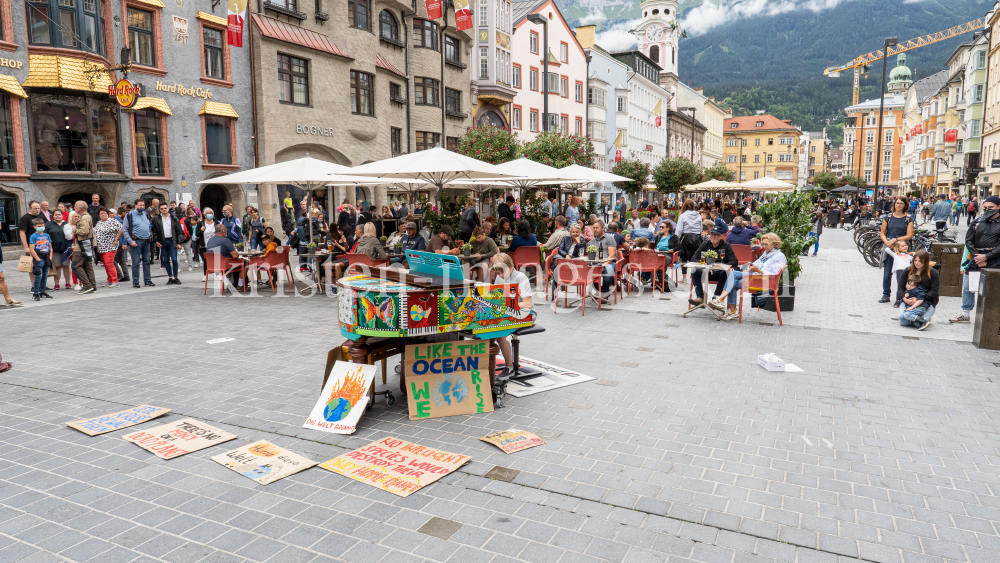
(706, 269)
(314, 258)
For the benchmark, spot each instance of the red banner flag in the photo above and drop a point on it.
(463, 15)
(236, 17)
(618, 156)
(434, 10)
(659, 121)
(951, 135)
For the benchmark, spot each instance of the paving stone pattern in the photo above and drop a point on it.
(883, 449)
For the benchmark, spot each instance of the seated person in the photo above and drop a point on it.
(411, 240)
(502, 266)
(270, 244)
(666, 240)
(524, 237)
(484, 246)
(768, 264)
(716, 241)
(572, 246)
(222, 245)
(719, 222)
(706, 229)
(915, 312)
(365, 243)
(643, 230)
(740, 234)
(642, 243)
(444, 243)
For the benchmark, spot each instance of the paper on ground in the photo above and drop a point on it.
(536, 377)
(114, 421)
(263, 462)
(343, 399)
(513, 440)
(220, 340)
(793, 367)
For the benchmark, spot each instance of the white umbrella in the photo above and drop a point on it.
(436, 166)
(766, 183)
(582, 173)
(712, 184)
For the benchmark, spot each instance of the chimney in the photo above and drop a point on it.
(586, 35)
(711, 98)
(700, 91)
(788, 121)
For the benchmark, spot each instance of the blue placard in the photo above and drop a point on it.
(435, 265)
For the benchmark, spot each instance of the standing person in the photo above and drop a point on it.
(970, 211)
(982, 245)
(257, 227)
(572, 210)
(203, 231)
(93, 208)
(347, 220)
(956, 211)
(26, 227)
(233, 225)
(83, 248)
(121, 263)
(940, 212)
(166, 234)
(896, 226)
(188, 224)
(57, 233)
(138, 234)
(246, 225)
(689, 230)
(287, 204)
(40, 246)
(817, 230)
(44, 211)
(469, 221)
(506, 210)
(108, 232)
(6, 295)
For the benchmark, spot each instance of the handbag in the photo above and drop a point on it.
(26, 264)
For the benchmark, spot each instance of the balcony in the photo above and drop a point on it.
(301, 16)
(398, 100)
(456, 64)
(455, 114)
(394, 42)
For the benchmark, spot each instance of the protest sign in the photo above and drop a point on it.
(448, 378)
(513, 440)
(178, 438)
(343, 399)
(263, 462)
(535, 376)
(115, 421)
(396, 466)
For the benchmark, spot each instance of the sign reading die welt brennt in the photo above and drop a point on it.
(178, 438)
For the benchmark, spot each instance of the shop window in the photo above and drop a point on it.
(70, 24)
(140, 37)
(425, 34)
(149, 143)
(293, 80)
(362, 93)
(74, 134)
(218, 140)
(8, 156)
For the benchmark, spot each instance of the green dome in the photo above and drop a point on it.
(901, 74)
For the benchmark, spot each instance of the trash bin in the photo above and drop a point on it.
(987, 328)
(948, 259)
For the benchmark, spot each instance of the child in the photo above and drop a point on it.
(642, 242)
(916, 311)
(900, 262)
(40, 246)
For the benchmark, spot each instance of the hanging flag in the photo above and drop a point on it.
(950, 135)
(463, 15)
(618, 156)
(659, 121)
(434, 10)
(237, 16)
(618, 139)
(658, 110)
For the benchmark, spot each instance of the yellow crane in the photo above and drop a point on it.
(866, 60)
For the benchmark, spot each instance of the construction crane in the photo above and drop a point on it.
(866, 60)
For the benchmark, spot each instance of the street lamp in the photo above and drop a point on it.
(889, 42)
(692, 110)
(540, 19)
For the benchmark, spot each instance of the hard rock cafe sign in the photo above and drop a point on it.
(125, 92)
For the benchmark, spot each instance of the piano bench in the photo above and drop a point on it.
(515, 344)
(534, 329)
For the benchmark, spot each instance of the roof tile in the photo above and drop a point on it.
(749, 123)
(296, 35)
(384, 64)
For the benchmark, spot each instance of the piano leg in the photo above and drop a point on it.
(494, 350)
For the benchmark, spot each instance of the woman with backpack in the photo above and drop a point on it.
(970, 211)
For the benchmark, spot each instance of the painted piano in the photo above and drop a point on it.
(432, 297)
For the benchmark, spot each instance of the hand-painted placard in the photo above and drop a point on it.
(513, 440)
(343, 399)
(395, 465)
(448, 378)
(263, 462)
(178, 438)
(118, 420)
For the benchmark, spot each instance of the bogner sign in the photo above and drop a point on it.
(313, 130)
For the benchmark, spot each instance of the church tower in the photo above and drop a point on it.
(658, 33)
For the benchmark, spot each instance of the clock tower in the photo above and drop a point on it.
(658, 33)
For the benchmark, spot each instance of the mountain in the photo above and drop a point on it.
(771, 56)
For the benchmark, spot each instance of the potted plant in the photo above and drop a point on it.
(398, 247)
(591, 252)
(239, 246)
(383, 239)
(789, 217)
(466, 249)
(311, 245)
(710, 257)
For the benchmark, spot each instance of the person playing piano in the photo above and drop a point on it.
(502, 266)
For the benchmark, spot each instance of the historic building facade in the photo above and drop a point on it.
(65, 138)
(759, 146)
(493, 76)
(368, 80)
(658, 33)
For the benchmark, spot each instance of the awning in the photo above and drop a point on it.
(216, 108)
(51, 71)
(159, 104)
(380, 62)
(218, 20)
(296, 35)
(10, 84)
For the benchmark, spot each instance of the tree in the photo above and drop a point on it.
(490, 144)
(789, 217)
(672, 174)
(718, 171)
(826, 180)
(634, 169)
(851, 180)
(559, 151)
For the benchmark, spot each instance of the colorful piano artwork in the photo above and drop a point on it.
(422, 302)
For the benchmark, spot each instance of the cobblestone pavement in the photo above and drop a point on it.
(884, 449)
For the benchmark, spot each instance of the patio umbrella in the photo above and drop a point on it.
(767, 184)
(845, 190)
(435, 166)
(712, 184)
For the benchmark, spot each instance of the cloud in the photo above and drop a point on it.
(618, 37)
(714, 13)
(592, 18)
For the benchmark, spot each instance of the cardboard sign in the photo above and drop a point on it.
(343, 399)
(396, 466)
(448, 378)
(115, 421)
(263, 462)
(513, 440)
(178, 438)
